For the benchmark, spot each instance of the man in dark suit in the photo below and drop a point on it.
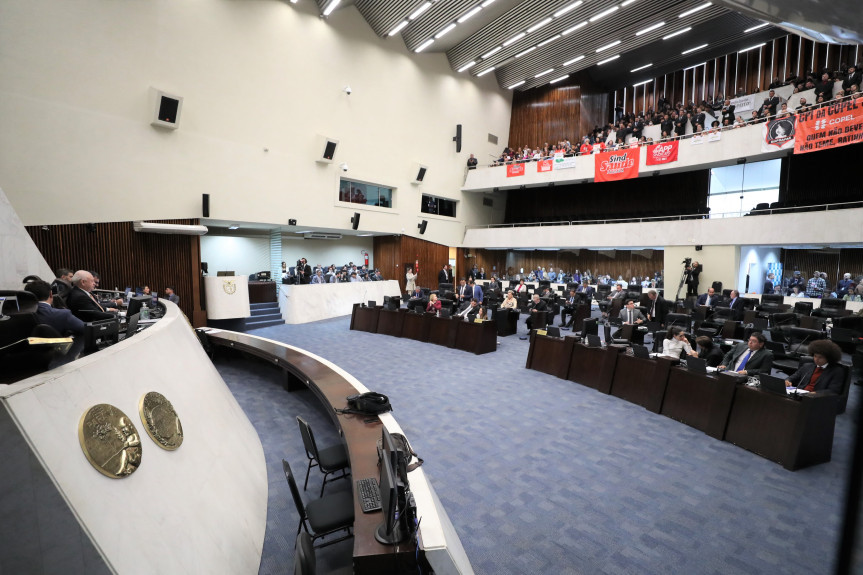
(736, 305)
(749, 358)
(568, 308)
(631, 314)
(709, 299)
(824, 374)
(692, 273)
(464, 292)
(82, 303)
(656, 308)
(470, 310)
(445, 275)
(586, 290)
(416, 299)
(537, 305)
(772, 101)
(304, 271)
(60, 319)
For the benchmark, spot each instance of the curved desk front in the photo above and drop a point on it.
(437, 538)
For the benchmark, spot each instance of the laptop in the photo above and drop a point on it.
(696, 365)
(640, 351)
(773, 384)
(552, 331)
(593, 340)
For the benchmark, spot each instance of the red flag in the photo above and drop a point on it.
(514, 170)
(619, 165)
(662, 153)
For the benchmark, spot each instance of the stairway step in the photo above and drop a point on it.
(250, 325)
(264, 305)
(265, 316)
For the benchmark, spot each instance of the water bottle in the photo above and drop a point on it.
(145, 312)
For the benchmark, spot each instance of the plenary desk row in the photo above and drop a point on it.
(440, 546)
(794, 432)
(454, 332)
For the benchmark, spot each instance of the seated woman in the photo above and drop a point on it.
(675, 343)
(509, 302)
(434, 304)
(708, 351)
(520, 287)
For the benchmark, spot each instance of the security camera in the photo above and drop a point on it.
(344, 166)
(348, 90)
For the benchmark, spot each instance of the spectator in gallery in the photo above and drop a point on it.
(172, 297)
(471, 163)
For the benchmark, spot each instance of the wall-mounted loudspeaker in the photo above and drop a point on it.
(292, 222)
(355, 221)
(166, 109)
(325, 148)
(422, 226)
(457, 138)
(419, 173)
(206, 205)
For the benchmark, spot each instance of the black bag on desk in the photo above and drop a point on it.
(369, 403)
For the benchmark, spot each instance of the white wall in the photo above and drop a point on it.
(326, 252)
(19, 254)
(759, 257)
(719, 264)
(260, 80)
(243, 255)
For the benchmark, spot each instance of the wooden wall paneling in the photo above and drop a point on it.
(123, 257)
(386, 254)
(431, 256)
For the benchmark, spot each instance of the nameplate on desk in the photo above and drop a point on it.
(541, 332)
(477, 320)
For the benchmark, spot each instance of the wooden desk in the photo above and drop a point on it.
(365, 318)
(700, 401)
(549, 355)
(442, 331)
(478, 338)
(641, 381)
(593, 366)
(263, 292)
(416, 326)
(507, 321)
(390, 322)
(795, 433)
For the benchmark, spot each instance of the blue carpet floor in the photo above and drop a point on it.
(544, 476)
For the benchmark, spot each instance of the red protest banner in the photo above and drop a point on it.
(514, 170)
(832, 126)
(620, 165)
(545, 166)
(662, 153)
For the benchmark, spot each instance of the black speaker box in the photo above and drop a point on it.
(423, 226)
(206, 205)
(457, 138)
(355, 221)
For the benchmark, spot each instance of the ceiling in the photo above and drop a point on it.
(530, 43)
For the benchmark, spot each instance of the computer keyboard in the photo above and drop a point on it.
(369, 494)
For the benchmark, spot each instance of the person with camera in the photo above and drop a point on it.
(304, 271)
(693, 270)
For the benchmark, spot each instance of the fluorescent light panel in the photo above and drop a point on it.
(694, 49)
(756, 27)
(626, 3)
(650, 28)
(419, 11)
(484, 72)
(424, 45)
(607, 60)
(491, 52)
(234, 227)
(538, 25)
(574, 28)
(607, 46)
(486, 3)
(696, 9)
(751, 48)
(563, 11)
(642, 67)
(515, 38)
(641, 83)
(468, 65)
(678, 33)
(574, 60)
(541, 74)
(604, 13)
(331, 6)
(398, 28)
(468, 14)
(528, 51)
(517, 84)
(564, 77)
(549, 41)
(444, 31)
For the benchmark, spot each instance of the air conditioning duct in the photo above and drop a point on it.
(321, 236)
(177, 229)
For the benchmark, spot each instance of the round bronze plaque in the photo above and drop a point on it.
(161, 421)
(110, 441)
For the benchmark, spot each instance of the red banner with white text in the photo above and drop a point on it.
(514, 170)
(832, 126)
(619, 165)
(544, 166)
(662, 153)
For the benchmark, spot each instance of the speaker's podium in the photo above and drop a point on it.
(227, 302)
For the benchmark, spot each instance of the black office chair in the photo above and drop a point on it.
(803, 307)
(609, 340)
(678, 319)
(322, 516)
(329, 460)
(305, 562)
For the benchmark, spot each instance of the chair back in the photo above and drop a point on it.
(295, 491)
(803, 307)
(729, 329)
(308, 439)
(678, 319)
(304, 555)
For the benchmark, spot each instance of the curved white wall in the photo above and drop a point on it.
(76, 144)
(199, 509)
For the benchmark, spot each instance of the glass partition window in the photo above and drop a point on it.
(363, 193)
(737, 190)
(438, 206)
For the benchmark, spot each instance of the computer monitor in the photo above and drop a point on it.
(132, 324)
(391, 530)
(99, 333)
(136, 303)
(128, 291)
(372, 303)
(264, 276)
(696, 365)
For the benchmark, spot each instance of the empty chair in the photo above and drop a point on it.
(730, 330)
(678, 319)
(803, 307)
(329, 460)
(322, 516)
(830, 307)
(305, 562)
(609, 340)
(802, 337)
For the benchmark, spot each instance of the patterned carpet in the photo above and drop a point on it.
(543, 476)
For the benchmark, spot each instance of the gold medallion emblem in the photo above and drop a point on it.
(110, 441)
(161, 421)
(230, 286)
